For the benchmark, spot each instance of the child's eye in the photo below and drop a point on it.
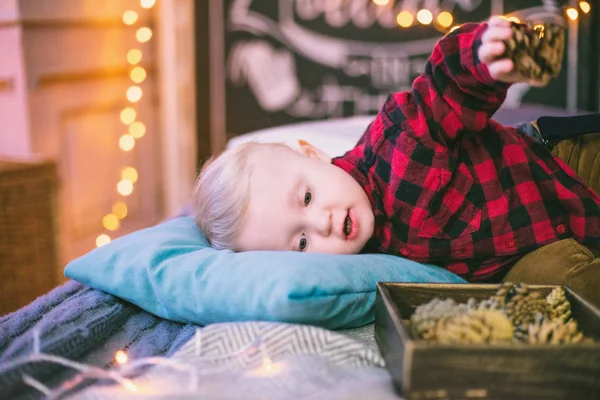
(303, 243)
(307, 198)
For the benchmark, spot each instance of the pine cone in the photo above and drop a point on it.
(423, 321)
(479, 326)
(522, 309)
(559, 307)
(536, 49)
(554, 332)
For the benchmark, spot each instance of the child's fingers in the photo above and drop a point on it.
(493, 34)
(489, 52)
(500, 68)
(498, 22)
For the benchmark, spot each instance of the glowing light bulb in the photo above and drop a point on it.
(120, 209)
(128, 115)
(129, 385)
(130, 17)
(454, 28)
(134, 56)
(514, 19)
(267, 364)
(585, 6)
(134, 94)
(143, 34)
(121, 357)
(102, 240)
(126, 142)
(572, 13)
(129, 174)
(424, 16)
(445, 19)
(381, 2)
(147, 3)
(137, 130)
(125, 187)
(138, 74)
(110, 222)
(404, 19)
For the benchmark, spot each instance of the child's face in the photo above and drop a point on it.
(303, 204)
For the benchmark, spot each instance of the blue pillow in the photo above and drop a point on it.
(171, 271)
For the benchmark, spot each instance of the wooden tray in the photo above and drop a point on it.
(423, 370)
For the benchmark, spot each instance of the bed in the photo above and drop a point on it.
(92, 332)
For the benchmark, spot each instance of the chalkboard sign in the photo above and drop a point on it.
(274, 62)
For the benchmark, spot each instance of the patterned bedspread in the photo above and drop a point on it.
(264, 360)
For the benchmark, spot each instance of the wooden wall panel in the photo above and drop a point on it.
(76, 10)
(74, 79)
(91, 164)
(14, 139)
(54, 54)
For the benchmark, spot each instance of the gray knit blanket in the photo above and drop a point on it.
(80, 324)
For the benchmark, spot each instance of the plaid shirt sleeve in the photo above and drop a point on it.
(455, 96)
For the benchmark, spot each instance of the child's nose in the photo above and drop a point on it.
(322, 222)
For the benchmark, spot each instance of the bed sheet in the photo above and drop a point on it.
(265, 360)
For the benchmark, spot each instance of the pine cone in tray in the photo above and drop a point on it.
(536, 49)
(559, 307)
(478, 326)
(522, 309)
(514, 313)
(423, 321)
(545, 331)
(496, 301)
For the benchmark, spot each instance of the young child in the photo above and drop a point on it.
(433, 178)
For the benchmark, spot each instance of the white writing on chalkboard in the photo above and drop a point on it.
(361, 72)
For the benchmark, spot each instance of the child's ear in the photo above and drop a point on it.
(313, 152)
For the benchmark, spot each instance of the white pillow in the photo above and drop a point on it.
(334, 136)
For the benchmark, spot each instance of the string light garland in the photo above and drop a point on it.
(129, 116)
(444, 18)
(585, 6)
(572, 13)
(126, 368)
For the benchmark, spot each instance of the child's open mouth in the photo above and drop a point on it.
(347, 225)
(350, 226)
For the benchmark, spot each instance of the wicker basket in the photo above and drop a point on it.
(28, 234)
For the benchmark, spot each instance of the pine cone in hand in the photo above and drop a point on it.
(536, 49)
(559, 307)
(479, 326)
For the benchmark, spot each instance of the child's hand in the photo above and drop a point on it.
(492, 47)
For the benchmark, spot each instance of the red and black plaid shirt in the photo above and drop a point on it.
(452, 187)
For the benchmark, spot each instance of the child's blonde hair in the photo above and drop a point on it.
(222, 192)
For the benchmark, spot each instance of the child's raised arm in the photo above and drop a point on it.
(463, 85)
